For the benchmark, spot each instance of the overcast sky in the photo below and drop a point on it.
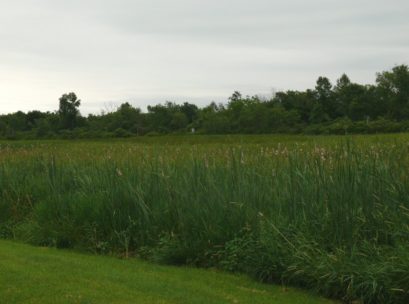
(150, 51)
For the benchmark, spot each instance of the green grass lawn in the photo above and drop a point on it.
(43, 275)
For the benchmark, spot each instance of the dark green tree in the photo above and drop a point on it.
(393, 90)
(68, 110)
(325, 99)
(190, 111)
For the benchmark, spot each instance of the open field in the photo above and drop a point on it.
(330, 214)
(42, 275)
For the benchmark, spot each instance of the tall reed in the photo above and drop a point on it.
(330, 215)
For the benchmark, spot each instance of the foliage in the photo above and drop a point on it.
(68, 111)
(345, 107)
(316, 212)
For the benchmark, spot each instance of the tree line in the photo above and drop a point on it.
(340, 108)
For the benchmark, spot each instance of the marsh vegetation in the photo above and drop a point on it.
(328, 214)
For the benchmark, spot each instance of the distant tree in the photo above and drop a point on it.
(33, 117)
(18, 122)
(393, 89)
(128, 118)
(255, 118)
(235, 96)
(160, 116)
(282, 120)
(3, 127)
(353, 100)
(318, 114)
(302, 102)
(43, 127)
(213, 119)
(170, 116)
(190, 111)
(68, 110)
(342, 91)
(344, 107)
(179, 121)
(234, 109)
(325, 98)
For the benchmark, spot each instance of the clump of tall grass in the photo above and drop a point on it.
(330, 217)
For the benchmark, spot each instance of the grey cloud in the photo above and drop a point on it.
(152, 51)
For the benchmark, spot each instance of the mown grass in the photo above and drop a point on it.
(44, 275)
(325, 213)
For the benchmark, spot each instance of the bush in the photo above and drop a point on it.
(122, 133)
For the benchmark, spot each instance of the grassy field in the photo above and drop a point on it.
(42, 275)
(330, 214)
